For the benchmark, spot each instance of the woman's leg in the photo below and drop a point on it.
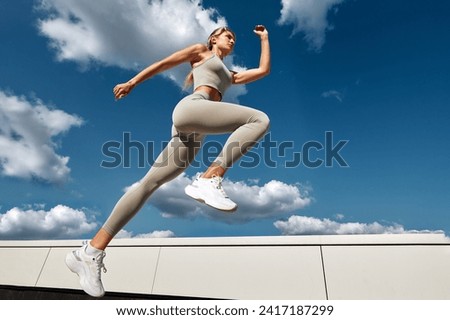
(87, 261)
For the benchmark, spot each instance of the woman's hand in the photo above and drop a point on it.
(122, 90)
(261, 31)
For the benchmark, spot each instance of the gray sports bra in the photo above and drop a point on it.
(212, 73)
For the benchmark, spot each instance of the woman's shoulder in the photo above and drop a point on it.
(199, 48)
(199, 52)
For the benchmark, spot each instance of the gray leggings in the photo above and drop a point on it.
(194, 117)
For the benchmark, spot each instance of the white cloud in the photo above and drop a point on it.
(128, 34)
(339, 216)
(60, 222)
(124, 234)
(333, 94)
(27, 133)
(254, 202)
(308, 17)
(301, 225)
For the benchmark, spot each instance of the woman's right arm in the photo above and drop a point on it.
(189, 54)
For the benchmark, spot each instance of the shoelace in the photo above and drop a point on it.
(100, 265)
(217, 181)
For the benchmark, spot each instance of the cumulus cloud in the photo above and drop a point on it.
(308, 17)
(301, 225)
(255, 201)
(124, 234)
(27, 139)
(60, 222)
(127, 34)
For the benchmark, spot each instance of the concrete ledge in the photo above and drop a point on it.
(408, 266)
(393, 239)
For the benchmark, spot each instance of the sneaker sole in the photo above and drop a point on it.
(76, 267)
(192, 192)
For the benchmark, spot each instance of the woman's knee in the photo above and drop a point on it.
(264, 121)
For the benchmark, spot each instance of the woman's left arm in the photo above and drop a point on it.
(263, 70)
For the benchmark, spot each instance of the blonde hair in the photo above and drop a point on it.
(217, 32)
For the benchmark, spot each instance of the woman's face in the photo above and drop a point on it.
(225, 41)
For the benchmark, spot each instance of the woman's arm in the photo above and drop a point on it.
(264, 61)
(189, 54)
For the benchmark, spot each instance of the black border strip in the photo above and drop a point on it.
(9, 292)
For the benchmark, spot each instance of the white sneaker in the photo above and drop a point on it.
(210, 191)
(88, 269)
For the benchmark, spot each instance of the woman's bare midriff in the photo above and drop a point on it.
(213, 93)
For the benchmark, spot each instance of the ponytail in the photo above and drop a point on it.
(189, 80)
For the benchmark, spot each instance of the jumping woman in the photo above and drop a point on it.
(194, 117)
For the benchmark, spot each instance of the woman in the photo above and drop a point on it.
(195, 116)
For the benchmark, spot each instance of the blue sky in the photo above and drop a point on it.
(372, 76)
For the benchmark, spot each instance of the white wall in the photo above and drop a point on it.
(410, 266)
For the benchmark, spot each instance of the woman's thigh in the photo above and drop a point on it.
(205, 116)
